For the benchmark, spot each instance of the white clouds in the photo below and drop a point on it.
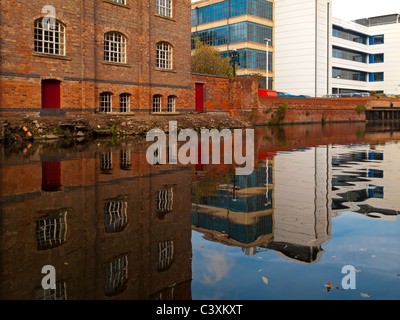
(356, 9)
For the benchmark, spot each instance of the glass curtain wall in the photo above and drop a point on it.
(232, 8)
(238, 32)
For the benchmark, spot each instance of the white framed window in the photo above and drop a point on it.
(165, 254)
(164, 8)
(116, 276)
(49, 38)
(157, 103)
(106, 162)
(125, 102)
(114, 47)
(106, 102)
(165, 201)
(51, 232)
(120, 1)
(59, 293)
(164, 55)
(125, 160)
(116, 216)
(171, 103)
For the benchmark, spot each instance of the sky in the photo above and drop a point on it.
(355, 9)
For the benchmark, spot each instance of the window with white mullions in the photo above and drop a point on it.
(106, 162)
(60, 293)
(116, 217)
(116, 275)
(165, 254)
(157, 103)
(164, 55)
(171, 103)
(114, 47)
(125, 160)
(164, 8)
(164, 201)
(106, 102)
(125, 102)
(51, 232)
(49, 38)
(119, 1)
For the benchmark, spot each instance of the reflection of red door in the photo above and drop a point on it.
(51, 93)
(199, 97)
(51, 176)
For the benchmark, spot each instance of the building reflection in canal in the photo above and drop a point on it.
(108, 222)
(288, 203)
(115, 227)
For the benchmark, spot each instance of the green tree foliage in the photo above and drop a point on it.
(207, 60)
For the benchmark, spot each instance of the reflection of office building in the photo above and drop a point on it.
(121, 235)
(302, 215)
(239, 211)
(360, 184)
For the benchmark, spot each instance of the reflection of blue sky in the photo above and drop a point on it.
(221, 272)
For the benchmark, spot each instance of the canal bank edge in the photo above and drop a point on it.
(34, 128)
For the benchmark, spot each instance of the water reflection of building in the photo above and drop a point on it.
(113, 226)
(360, 183)
(290, 215)
(239, 211)
(302, 204)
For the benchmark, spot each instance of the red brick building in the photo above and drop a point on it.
(81, 56)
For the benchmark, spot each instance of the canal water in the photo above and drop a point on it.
(317, 219)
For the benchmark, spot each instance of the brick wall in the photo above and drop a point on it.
(82, 71)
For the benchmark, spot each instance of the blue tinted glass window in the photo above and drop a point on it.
(379, 39)
(349, 55)
(221, 10)
(252, 59)
(349, 35)
(349, 74)
(239, 32)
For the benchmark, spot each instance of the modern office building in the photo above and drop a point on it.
(241, 25)
(311, 52)
(366, 55)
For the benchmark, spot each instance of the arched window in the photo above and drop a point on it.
(49, 37)
(125, 102)
(164, 8)
(114, 47)
(171, 104)
(164, 55)
(106, 102)
(157, 103)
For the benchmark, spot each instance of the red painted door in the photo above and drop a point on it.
(51, 176)
(51, 94)
(199, 97)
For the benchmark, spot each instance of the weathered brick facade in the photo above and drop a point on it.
(83, 72)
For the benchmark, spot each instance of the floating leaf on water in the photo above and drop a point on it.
(363, 249)
(358, 270)
(373, 256)
(365, 295)
(329, 286)
(265, 280)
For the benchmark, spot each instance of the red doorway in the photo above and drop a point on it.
(199, 97)
(51, 94)
(51, 176)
